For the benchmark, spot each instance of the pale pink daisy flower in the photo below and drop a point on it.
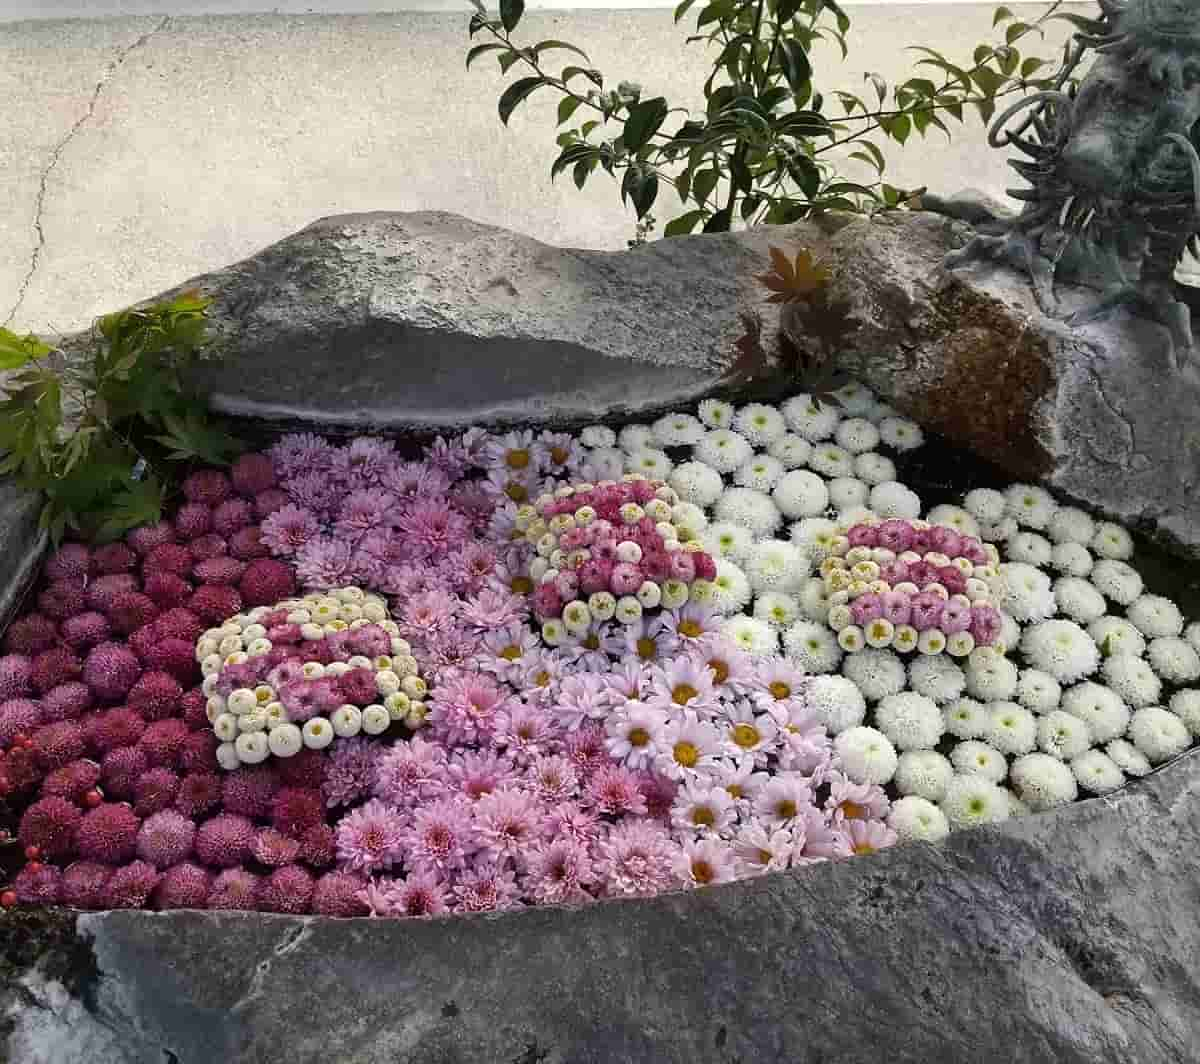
(869, 836)
(288, 529)
(637, 858)
(560, 452)
(806, 747)
(514, 451)
(616, 791)
(520, 486)
(760, 849)
(559, 871)
(440, 838)
(554, 778)
(733, 670)
(590, 652)
(682, 687)
(502, 523)
(634, 734)
(784, 800)
(821, 841)
(507, 822)
(746, 732)
(704, 808)
(486, 887)
(511, 576)
(541, 672)
(742, 779)
(648, 640)
(777, 682)
(706, 861)
(689, 747)
(628, 681)
(692, 624)
(855, 801)
(370, 839)
(504, 650)
(409, 773)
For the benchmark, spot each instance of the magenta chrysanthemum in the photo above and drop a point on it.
(371, 838)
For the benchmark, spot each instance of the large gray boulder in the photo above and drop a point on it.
(21, 546)
(1069, 937)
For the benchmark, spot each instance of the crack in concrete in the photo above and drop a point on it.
(56, 154)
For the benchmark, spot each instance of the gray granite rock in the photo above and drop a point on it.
(1069, 937)
(21, 546)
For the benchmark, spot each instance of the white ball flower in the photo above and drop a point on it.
(893, 499)
(838, 704)
(911, 721)
(1063, 735)
(877, 673)
(752, 509)
(1096, 772)
(1025, 592)
(991, 678)
(634, 438)
(816, 536)
(761, 473)
(985, 505)
(730, 588)
(1112, 541)
(916, 819)
(723, 449)
(1000, 532)
(953, 517)
(874, 468)
(1038, 691)
(1117, 580)
(696, 483)
(1029, 506)
(1071, 525)
(677, 430)
(1100, 708)
(813, 647)
(964, 718)
(901, 434)
(689, 520)
(650, 462)
(757, 638)
(715, 413)
(775, 565)
(597, 436)
(866, 755)
(1062, 649)
(937, 678)
(847, 492)
(790, 450)
(814, 599)
(801, 493)
(831, 461)
(724, 539)
(760, 424)
(1011, 729)
(1157, 733)
(857, 435)
(1132, 679)
(1192, 634)
(924, 773)
(1078, 599)
(1155, 616)
(1030, 548)
(1043, 782)
(603, 463)
(974, 758)
(1185, 705)
(1174, 659)
(856, 515)
(1127, 757)
(812, 420)
(856, 398)
(1071, 559)
(972, 801)
(1115, 635)
(777, 608)
(1010, 631)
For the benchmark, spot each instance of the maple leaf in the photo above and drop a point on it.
(793, 281)
(751, 356)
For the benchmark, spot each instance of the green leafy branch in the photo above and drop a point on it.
(104, 435)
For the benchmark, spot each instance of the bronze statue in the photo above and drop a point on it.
(1114, 196)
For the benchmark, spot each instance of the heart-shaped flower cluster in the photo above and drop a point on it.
(608, 550)
(304, 672)
(910, 585)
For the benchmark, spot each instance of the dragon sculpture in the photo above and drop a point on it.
(1113, 169)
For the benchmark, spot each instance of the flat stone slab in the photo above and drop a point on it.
(1069, 937)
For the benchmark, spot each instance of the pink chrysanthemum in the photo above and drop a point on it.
(507, 822)
(297, 452)
(323, 562)
(554, 778)
(560, 871)
(371, 838)
(339, 894)
(165, 838)
(475, 773)
(287, 890)
(524, 733)
(614, 790)
(637, 858)
(489, 608)
(465, 706)
(414, 896)
(350, 771)
(409, 773)
(487, 887)
(185, 886)
(83, 884)
(441, 837)
(363, 510)
(432, 528)
(235, 888)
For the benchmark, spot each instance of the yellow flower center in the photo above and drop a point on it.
(746, 736)
(703, 817)
(691, 629)
(720, 670)
(864, 847)
(542, 678)
(779, 689)
(516, 492)
(734, 790)
(702, 871)
(520, 585)
(646, 648)
(683, 693)
(592, 642)
(511, 652)
(854, 811)
(518, 458)
(558, 455)
(764, 856)
(639, 737)
(785, 809)
(686, 754)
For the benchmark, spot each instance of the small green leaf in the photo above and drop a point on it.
(480, 49)
(515, 93)
(511, 12)
(594, 76)
(643, 122)
(681, 9)
(17, 351)
(1001, 14)
(793, 60)
(566, 107)
(703, 183)
(547, 46)
(684, 224)
(1014, 31)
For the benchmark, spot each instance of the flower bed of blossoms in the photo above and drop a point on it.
(536, 667)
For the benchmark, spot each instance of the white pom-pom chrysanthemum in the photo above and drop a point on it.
(815, 536)
(757, 638)
(724, 539)
(1173, 659)
(856, 515)
(677, 430)
(696, 483)
(777, 608)
(1043, 782)
(1010, 631)
(974, 758)
(775, 565)
(856, 398)
(986, 505)
(1063, 735)
(1115, 635)
(1099, 707)
(1062, 649)
(1029, 506)
(831, 461)
(813, 647)
(911, 721)
(1071, 559)
(597, 436)
(924, 773)
(1024, 592)
(965, 718)
(814, 599)
(761, 473)
(716, 414)
(730, 588)
(812, 420)
(937, 677)
(723, 449)
(877, 673)
(1132, 679)
(1185, 705)
(801, 493)
(847, 492)
(991, 678)
(916, 819)
(650, 462)
(604, 463)
(790, 450)
(634, 438)
(1117, 581)
(874, 468)
(901, 434)
(1096, 772)
(760, 424)
(1029, 548)
(1158, 734)
(1192, 634)
(1071, 525)
(866, 755)
(893, 499)
(857, 435)
(1038, 691)
(954, 517)
(1078, 599)
(1155, 616)
(837, 703)
(1112, 541)
(1002, 531)
(689, 520)
(751, 509)
(1011, 729)
(1127, 757)
(972, 801)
